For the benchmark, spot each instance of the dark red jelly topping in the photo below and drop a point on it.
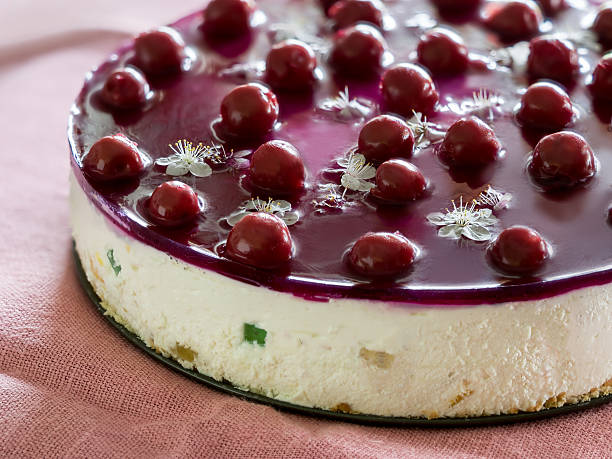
(160, 51)
(226, 19)
(249, 111)
(562, 160)
(261, 240)
(291, 65)
(357, 51)
(408, 88)
(610, 213)
(552, 7)
(601, 84)
(346, 13)
(469, 142)
(514, 20)
(113, 157)
(173, 204)
(545, 106)
(603, 25)
(443, 52)
(399, 181)
(519, 250)
(552, 58)
(277, 166)
(457, 6)
(382, 254)
(385, 137)
(125, 89)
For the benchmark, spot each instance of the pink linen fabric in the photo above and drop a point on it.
(70, 385)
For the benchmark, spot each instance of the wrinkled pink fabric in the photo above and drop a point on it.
(70, 385)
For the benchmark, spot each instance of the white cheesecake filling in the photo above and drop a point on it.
(347, 354)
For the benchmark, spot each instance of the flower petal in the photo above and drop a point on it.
(290, 218)
(438, 219)
(176, 169)
(366, 172)
(476, 233)
(451, 231)
(355, 184)
(235, 217)
(200, 169)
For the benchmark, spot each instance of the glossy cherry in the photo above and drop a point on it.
(277, 166)
(469, 142)
(125, 89)
(113, 157)
(552, 7)
(514, 20)
(552, 58)
(407, 88)
(457, 6)
(601, 84)
(261, 240)
(357, 51)
(326, 4)
(226, 19)
(291, 65)
(519, 250)
(249, 110)
(385, 137)
(382, 255)
(443, 52)
(160, 51)
(545, 106)
(603, 25)
(562, 160)
(173, 204)
(610, 213)
(399, 181)
(346, 13)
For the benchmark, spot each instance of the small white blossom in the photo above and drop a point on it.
(330, 197)
(465, 220)
(346, 108)
(493, 198)
(244, 71)
(282, 32)
(356, 172)
(281, 209)
(425, 132)
(485, 104)
(189, 158)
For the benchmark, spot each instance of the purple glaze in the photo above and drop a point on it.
(448, 272)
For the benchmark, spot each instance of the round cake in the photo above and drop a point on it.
(398, 208)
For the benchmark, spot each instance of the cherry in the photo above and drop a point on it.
(173, 204)
(326, 4)
(603, 25)
(249, 110)
(385, 137)
(125, 89)
(398, 180)
(382, 254)
(346, 13)
(519, 250)
(514, 20)
(545, 106)
(457, 6)
(562, 160)
(552, 7)
(469, 142)
(443, 52)
(159, 51)
(113, 157)
(277, 166)
(228, 19)
(357, 51)
(552, 58)
(407, 88)
(290, 65)
(601, 84)
(261, 240)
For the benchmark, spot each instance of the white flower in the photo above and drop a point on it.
(281, 209)
(282, 32)
(493, 198)
(244, 71)
(330, 196)
(465, 220)
(189, 158)
(425, 132)
(356, 173)
(485, 104)
(346, 108)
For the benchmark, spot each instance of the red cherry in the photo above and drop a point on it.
(125, 89)
(382, 254)
(552, 58)
(398, 180)
(290, 65)
(385, 137)
(173, 204)
(228, 18)
(562, 160)
(514, 20)
(346, 13)
(545, 106)
(278, 166)
(519, 250)
(603, 25)
(357, 51)
(250, 110)
(407, 88)
(601, 84)
(552, 7)
(159, 51)
(261, 240)
(457, 6)
(443, 52)
(469, 142)
(114, 157)
(326, 4)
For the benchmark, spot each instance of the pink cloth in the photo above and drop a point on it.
(70, 385)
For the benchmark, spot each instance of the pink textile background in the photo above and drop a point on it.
(72, 386)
